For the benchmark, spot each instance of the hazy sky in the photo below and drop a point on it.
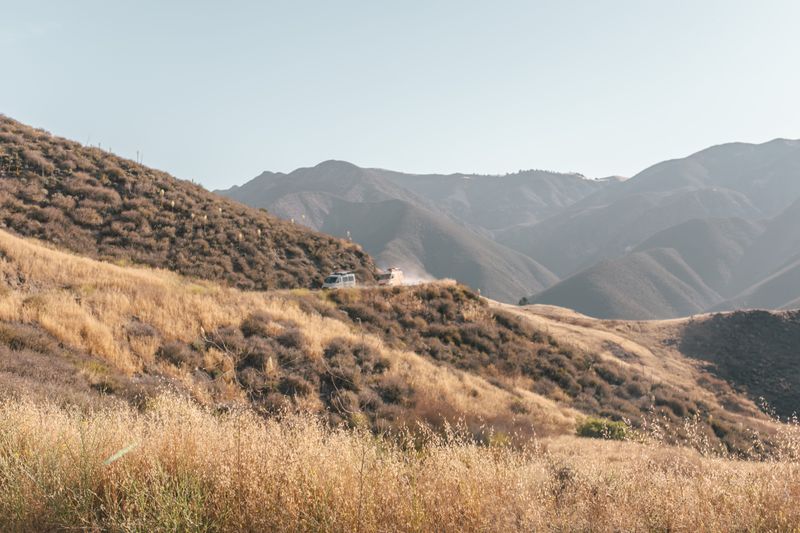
(218, 92)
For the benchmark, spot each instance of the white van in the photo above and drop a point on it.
(340, 280)
(390, 278)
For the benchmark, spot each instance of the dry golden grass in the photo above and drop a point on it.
(88, 305)
(647, 346)
(180, 468)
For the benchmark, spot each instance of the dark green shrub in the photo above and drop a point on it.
(602, 428)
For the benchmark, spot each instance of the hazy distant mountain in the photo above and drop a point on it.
(679, 271)
(396, 232)
(434, 225)
(733, 180)
(497, 202)
(646, 285)
(714, 230)
(729, 213)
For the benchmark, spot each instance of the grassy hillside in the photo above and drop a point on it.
(104, 206)
(132, 332)
(387, 358)
(204, 407)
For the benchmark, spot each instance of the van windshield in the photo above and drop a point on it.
(332, 279)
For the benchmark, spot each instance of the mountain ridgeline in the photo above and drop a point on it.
(713, 231)
(431, 225)
(95, 203)
(389, 358)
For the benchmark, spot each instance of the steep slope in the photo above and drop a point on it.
(389, 358)
(645, 285)
(711, 247)
(776, 248)
(749, 181)
(422, 242)
(398, 226)
(104, 206)
(755, 350)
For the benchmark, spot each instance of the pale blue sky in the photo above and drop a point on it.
(219, 91)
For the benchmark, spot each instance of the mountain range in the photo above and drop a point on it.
(432, 226)
(120, 282)
(711, 231)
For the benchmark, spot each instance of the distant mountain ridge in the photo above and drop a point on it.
(714, 230)
(433, 225)
(730, 212)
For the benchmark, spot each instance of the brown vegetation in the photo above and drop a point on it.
(100, 205)
(223, 347)
(175, 466)
(755, 350)
(387, 358)
(453, 326)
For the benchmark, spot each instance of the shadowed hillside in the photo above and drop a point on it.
(755, 350)
(684, 270)
(104, 206)
(643, 285)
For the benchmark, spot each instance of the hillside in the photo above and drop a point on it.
(421, 229)
(754, 350)
(134, 398)
(642, 285)
(683, 270)
(729, 213)
(104, 206)
(390, 358)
